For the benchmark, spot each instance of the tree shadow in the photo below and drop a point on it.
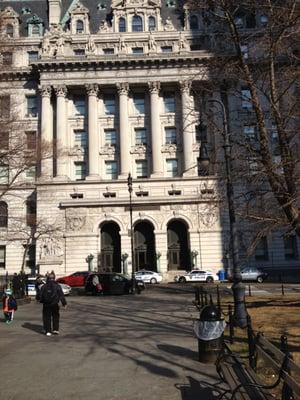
(33, 327)
(196, 390)
(178, 351)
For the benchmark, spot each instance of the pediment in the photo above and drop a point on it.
(135, 3)
(79, 9)
(9, 12)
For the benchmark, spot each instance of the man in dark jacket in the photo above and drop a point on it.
(51, 294)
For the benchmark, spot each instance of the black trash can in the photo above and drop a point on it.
(209, 330)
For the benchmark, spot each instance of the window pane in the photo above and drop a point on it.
(4, 106)
(110, 137)
(141, 169)
(31, 172)
(3, 214)
(108, 51)
(109, 105)
(170, 134)
(4, 174)
(137, 24)
(35, 30)
(172, 167)
(32, 56)
(30, 140)
(31, 106)
(139, 104)
(166, 49)
(152, 23)
(2, 256)
(122, 25)
(79, 104)
(250, 132)
(4, 141)
(80, 138)
(140, 136)
(194, 22)
(9, 30)
(246, 99)
(80, 171)
(6, 58)
(169, 102)
(79, 26)
(79, 52)
(111, 169)
(261, 251)
(290, 248)
(137, 50)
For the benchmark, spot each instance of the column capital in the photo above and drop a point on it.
(92, 89)
(185, 86)
(154, 87)
(45, 90)
(61, 91)
(123, 88)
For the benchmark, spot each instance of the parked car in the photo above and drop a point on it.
(148, 276)
(76, 279)
(253, 274)
(197, 276)
(31, 286)
(113, 283)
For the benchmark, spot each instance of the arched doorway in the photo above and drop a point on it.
(178, 246)
(110, 256)
(144, 246)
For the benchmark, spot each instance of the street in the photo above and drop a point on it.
(121, 347)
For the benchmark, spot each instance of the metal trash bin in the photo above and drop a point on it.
(209, 330)
(222, 275)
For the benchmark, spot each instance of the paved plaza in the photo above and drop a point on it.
(121, 347)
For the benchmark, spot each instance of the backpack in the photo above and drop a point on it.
(12, 303)
(49, 294)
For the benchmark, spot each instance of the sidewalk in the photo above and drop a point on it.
(121, 347)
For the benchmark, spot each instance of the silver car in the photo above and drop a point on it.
(253, 274)
(31, 287)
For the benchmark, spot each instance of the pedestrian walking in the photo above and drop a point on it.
(51, 295)
(9, 305)
(97, 287)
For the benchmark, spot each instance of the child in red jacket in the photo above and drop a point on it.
(9, 306)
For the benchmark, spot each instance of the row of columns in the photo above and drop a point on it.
(93, 134)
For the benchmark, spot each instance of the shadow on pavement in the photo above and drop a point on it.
(33, 327)
(196, 390)
(178, 351)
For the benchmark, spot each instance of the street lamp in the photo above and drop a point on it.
(129, 183)
(238, 289)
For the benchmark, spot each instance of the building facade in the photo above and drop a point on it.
(108, 89)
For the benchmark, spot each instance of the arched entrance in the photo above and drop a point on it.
(110, 256)
(144, 246)
(178, 246)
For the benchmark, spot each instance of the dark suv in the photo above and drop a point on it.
(113, 283)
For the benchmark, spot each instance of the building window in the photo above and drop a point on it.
(139, 103)
(250, 132)
(110, 137)
(169, 102)
(80, 170)
(108, 51)
(140, 136)
(201, 133)
(30, 258)
(30, 212)
(166, 49)
(79, 105)
(10, 30)
(109, 105)
(79, 52)
(261, 250)
(152, 23)
(4, 140)
(35, 30)
(2, 256)
(246, 99)
(80, 139)
(4, 174)
(141, 168)
(264, 20)
(79, 26)
(7, 58)
(137, 50)
(3, 214)
(122, 25)
(31, 106)
(31, 172)
(194, 24)
(170, 135)
(172, 167)
(4, 106)
(30, 140)
(137, 24)
(290, 247)
(245, 51)
(33, 56)
(111, 169)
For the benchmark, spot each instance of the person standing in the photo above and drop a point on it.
(50, 296)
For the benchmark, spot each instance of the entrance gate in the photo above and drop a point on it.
(178, 246)
(110, 256)
(144, 246)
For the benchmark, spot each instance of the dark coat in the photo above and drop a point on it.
(51, 294)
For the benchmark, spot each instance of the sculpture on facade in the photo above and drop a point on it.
(103, 26)
(152, 43)
(60, 46)
(169, 25)
(50, 248)
(182, 44)
(122, 45)
(46, 45)
(90, 46)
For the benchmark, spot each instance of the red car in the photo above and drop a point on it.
(76, 279)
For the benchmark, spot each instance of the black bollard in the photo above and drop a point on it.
(197, 295)
(218, 299)
(249, 290)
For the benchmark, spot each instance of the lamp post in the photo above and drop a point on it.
(129, 183)
(238, 289)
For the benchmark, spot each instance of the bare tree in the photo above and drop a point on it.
(256, 68)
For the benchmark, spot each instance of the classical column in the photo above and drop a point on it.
(92, 91)
(123, 89)
(61, 129)
(46, 148)
(186, 129)
(156, 142)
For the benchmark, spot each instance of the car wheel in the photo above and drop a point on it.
(153, 281)
(209, 279)
(182, 279)
(260, 279)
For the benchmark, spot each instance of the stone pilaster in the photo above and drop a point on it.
(187, 134)
(61, 128)
(123, 89)
(93, 142)
(46, 152)
(156, 139)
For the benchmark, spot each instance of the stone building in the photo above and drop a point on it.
(109, 85)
